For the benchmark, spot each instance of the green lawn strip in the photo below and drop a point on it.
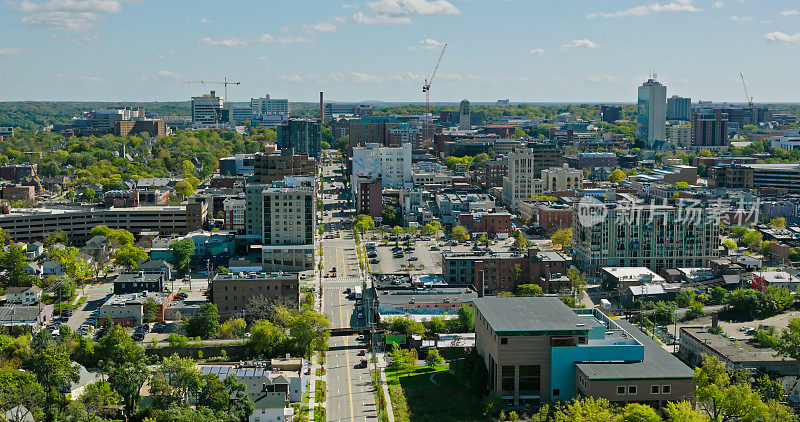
(319, 413)
(319, 391)
(416, 398)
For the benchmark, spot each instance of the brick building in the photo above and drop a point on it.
(270, 167)
(368, 197)
(154, 128)
(19, 193)
(232, 292)
(484, 222)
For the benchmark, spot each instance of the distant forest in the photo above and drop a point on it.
(34, 115)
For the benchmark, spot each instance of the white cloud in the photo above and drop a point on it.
(206, 21)
(7, 51)
(93, 79)
(649, 9)
(363, 19)
(584, 43)
(233, 42)
(792, 12)
(322, 26)
(426, 44)
(168, 74)
(65, 15)
(413, 7)
(536, 52)
(349, 6)
(718, 5)
(292, 78)
(263, 58)
(741, 19)
(603, 79)
(778, 36)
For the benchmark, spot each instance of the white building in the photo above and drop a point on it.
(239, 112)
(393, 164)
(561, 179)
(680, 136)
(652, 114)
(521, 183)
(266, 106)
(787, 143)
(233, 210)
(207, 109)
(23, 295)
(281, 215)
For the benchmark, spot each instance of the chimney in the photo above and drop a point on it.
(715, 320)
(321, 109)
(481, 283)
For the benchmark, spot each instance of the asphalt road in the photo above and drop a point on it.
(349, 395)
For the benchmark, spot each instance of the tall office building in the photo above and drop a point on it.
(207, 109)
(300, 135)
(524, 175)
(652, 236)
(610, 114)
(652, 113)
(464, 118)
(679, 108)
(709, 128)
(281, 213)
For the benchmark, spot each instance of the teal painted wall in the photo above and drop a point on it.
(562, 363)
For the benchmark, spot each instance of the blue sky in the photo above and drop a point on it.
(524, 50)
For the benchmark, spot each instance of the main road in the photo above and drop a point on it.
(349, 395)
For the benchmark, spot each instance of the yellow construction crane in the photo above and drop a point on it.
(426, 88)
(223, 82)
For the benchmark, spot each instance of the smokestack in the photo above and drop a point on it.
(321, 109)
(481, 283)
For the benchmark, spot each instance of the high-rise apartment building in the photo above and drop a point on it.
(405, 133)
(207, 109)
(464, 118)
(680, 135)
(266, 106)
(525, 165)
(272, 166)
(281, 215)
(370, 130)
(393, 164)
(652, 236)
(652, 113)
(234, 211)
(300, 135)
(709, 128)
(679, 108)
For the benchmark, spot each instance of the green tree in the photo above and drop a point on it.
(730, 244)
(94, 398)
(681, 185)
(121, 237)
(433, 359)
(182, 252)
(682, 412)
(460, 234)
(562, 238)
(685, 298)
(406, 325)
(204, 323)
(267, 340)
(88, 195)
(529, 290)
(720, 399)
(789, 344)
(184, 189)
(586, 409)
(150, 309)
(481, 158)
(129, 257)
(20, 388)
(483, 240)
(12, 262)
(521, 241)
(364, 223)
(617, 176)
(577, 281)
(753, 239)
(53, 368)
(466, 318)
(635, 412)
(432, 228)
(124, 363)
(175, 382)
(233, 328)
(389, 216)
(778, 223)
(55, 237)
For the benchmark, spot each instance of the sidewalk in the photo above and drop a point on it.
(385, 386)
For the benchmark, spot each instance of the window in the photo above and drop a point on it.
(508, 374)
(503, 340)
(529, 380)
(666, 389)
(654, 389)
(631, 389)
(556, 392)
(620, 389)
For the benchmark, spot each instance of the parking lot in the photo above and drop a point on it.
(420, 260)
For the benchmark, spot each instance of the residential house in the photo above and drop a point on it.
(23, 295)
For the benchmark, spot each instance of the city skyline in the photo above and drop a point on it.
(382, 50)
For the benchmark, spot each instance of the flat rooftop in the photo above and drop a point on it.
(739, 351)
(657, 363)
(529, 314)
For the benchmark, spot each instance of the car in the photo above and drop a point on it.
(180, 298)
(360, 316)
(413, 258)
(182, 294)
(360, 307)
(372, 255)
(434, 248)
(398, 255)
(333, 270)
(67, 312)
(364, 363)
(362, 337)
(374, 261)
(396, 248)
(362, 352)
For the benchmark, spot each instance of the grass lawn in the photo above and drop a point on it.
(319, 391)
(416, 398)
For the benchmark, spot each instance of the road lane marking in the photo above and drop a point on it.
(347, 362)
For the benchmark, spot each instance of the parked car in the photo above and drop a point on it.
(374, 261)
(434, 248)
(413, 258)
(362, 352)
(360, 316)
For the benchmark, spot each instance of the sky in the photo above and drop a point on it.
(382, 50)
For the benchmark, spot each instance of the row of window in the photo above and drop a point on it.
(632, 389)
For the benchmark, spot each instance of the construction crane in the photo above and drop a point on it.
(746, 93)
(223, 82)
(426, 88)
